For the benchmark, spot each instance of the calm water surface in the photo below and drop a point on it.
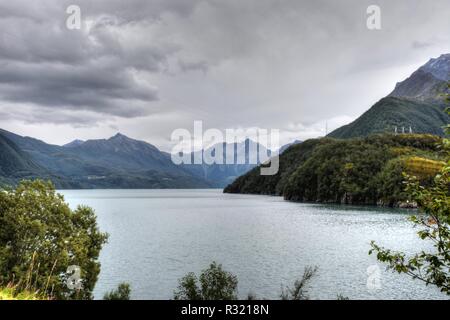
(157, 236)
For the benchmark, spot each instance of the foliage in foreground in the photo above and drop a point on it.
(430, 267)
(40, 237)
(122, 292)
(214, 283)
(217, 284)
(10, 293)
(300, 289)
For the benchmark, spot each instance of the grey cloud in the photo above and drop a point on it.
(103, 68)
(31, 115)
(187, 66)
(421, 44)
(233, 63)
(97, 86)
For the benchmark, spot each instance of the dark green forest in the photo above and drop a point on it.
(355, 171)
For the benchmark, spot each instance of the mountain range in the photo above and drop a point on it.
(220, 175)
(117, 162)
(415, 105)
(122, 162)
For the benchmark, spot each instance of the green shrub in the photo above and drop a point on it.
(122, 292)
(214, 284)
(40, 237)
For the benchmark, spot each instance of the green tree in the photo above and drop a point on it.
(430, 267)
(122, 292)
(214, 284)
(300, 289)
(389, 182)
(40, 237)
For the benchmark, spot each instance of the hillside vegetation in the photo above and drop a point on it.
(15, 162)
(354, 171)
(16, 165)
(393, 112)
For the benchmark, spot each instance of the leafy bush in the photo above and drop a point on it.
(122, 292)
(40, 237)
(300, 289)
(214, 284)
(431, 267)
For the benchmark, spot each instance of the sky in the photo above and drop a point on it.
(146, 68)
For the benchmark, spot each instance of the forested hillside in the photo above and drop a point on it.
(16, 165)
(401, 113)
(354, 171)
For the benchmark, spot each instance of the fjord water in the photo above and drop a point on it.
(157, 236)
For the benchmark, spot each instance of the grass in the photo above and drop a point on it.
(422, 167)
(9, 293)
(26, 290)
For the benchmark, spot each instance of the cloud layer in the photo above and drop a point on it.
(149, 67)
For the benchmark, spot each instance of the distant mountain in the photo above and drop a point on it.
(428, 83)
(16, 165)
(287, 146)
(74, 143)
(220, 175)
(118, 162)
(121, 152)
(14, 162)
(416, 102)
(56, 159)
(439, 68)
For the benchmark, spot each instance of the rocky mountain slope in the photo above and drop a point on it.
(416, 105)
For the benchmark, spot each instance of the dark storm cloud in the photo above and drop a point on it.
(101, 86)
(150, 66)
(104, 67)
